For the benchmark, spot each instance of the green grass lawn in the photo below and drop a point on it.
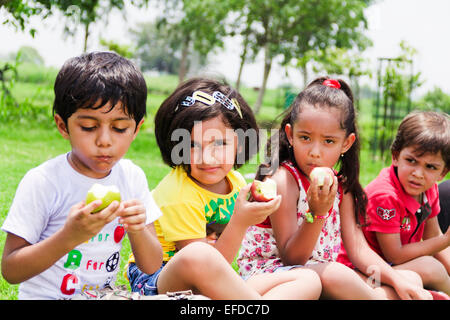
(26, 143)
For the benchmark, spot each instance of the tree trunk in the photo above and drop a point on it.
(262, 90)
(184, 59)
(305, 75)
(241, 67)
(86, 36)
(356, 91)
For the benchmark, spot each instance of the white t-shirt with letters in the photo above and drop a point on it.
(40, 207)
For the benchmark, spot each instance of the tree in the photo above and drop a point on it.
(85, 13)
(19, 12)
(348, 63)
(122, 49)
(29, 54)
(76, 12)
(435, 99)
(293, 28)
(200, 23)
(157, 48)
(396, 81)
(242, 26)
(8, 76)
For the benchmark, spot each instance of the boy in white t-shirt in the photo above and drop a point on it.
(55, 246)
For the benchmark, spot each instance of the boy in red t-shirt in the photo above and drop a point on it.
(403, 201)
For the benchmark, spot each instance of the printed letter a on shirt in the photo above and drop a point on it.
(385, 214)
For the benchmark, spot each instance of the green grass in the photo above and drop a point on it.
(26, 143)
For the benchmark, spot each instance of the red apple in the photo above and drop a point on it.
(320, 173)
(264, 191)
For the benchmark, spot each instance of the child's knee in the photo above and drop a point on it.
(412, 276)
(336, 275)
(309, 279)
(199, 258)
(432, 270)
(303, 274)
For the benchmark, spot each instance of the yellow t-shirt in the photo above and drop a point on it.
(188, 208)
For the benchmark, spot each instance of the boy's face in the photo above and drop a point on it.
(418, 174)
(99, 138)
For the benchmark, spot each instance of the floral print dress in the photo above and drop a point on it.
(259, 252)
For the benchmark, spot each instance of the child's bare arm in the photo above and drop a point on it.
(395, 252)
(79, 227)
(432, 230)
(296, 243)
(366, 260)
(38, 257)
(245, 214)
(144, 243)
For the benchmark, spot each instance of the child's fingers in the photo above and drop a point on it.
(244, 191)
(327, 183)
(133, 210)
(329, 189)
(334, 186)
(268, 206)
(313, 191)
(275, 202)
(87, 209)
(131, 203)
(135, 222)
(133, 215)
(111, 212)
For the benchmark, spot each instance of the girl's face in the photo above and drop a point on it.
(317, 138)
(99, 138)
(418, 174)
(213, 153)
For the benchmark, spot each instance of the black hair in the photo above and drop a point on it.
(100, 76)
(427, 132)
(322, 96)
(171, 115)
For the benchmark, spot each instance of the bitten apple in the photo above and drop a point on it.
(105, 193)
(264, 191)
(321, 173)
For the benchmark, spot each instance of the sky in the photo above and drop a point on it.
(424, 25)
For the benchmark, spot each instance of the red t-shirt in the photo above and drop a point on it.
(391, 210)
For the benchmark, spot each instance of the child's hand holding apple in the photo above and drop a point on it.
(248, 213)
(322, 191)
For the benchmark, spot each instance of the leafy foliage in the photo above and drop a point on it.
(291, 29)
(435, 99)
(157, 48)
(198, 24)
(20, 12)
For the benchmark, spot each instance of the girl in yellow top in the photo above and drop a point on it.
(205, 130)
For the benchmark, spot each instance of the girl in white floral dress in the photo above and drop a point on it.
(319, 130)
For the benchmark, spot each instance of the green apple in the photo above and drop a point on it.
(105, 193)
